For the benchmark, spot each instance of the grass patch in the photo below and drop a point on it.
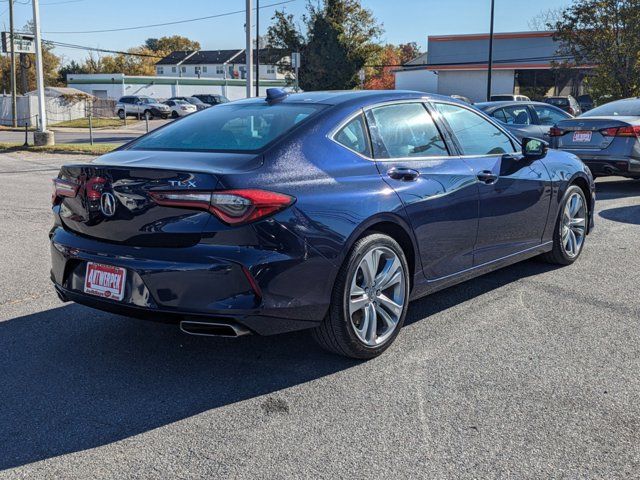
(96, 149)
(96, 122)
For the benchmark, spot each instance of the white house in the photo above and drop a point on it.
(220, 64)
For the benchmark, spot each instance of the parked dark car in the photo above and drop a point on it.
(525, 119)
(568, 104)
(605, 138)
(585, 102)
(212, 99)
(321, 210)
(199, 104)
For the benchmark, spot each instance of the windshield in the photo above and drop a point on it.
(232, 127)
(194, 100)
(622, 108)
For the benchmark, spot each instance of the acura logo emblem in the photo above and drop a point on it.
(108, 204)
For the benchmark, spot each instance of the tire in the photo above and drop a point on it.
(148, 115)
(121, 114)
(338, 332)
(562, 253)
(174, 114)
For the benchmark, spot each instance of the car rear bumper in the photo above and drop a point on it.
(264, 291)
(601, 165)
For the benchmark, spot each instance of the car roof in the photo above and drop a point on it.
(490, 106)
(355, 98)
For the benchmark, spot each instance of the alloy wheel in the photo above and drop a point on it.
(573, 225)
(377, 296)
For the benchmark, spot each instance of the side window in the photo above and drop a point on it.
(354, 136)
(549, 116)
(500, 115)
(475, 134)
(517, 115)
(405, 130)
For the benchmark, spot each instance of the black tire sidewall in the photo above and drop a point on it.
(341, 293)
(121, 114)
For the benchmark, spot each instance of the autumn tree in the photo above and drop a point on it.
(379, 73)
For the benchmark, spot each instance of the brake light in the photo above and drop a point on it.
(63, 188)
(233, 207)
(628, 131)
(555, 132)
(571, 111)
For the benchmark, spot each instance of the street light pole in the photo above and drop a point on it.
(249, 52)
(41, 136)
(12, 53)
(490, 63)
(257, 48)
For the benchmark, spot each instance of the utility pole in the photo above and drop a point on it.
(257, 48)
(490, 63)
(14, 106)
(249, 52)
(41, 136)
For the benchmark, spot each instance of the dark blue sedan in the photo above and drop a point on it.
(322, 210)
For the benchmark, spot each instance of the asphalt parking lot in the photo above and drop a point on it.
(529, 372)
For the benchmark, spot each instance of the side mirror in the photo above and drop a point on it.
(534, 148)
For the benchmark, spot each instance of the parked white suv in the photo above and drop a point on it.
(141, 106)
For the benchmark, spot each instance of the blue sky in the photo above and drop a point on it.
(404, 20)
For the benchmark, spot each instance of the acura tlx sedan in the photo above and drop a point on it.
(322, 210)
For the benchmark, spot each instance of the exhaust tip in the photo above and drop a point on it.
(211, 329)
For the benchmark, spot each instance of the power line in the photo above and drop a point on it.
(175, 22)
(102, 50)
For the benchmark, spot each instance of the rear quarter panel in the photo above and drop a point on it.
(564, 169)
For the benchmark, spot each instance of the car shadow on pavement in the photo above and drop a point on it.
(73, 378)
(629, 214)
(611, 188)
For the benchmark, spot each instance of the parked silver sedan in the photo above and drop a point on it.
(606, 138)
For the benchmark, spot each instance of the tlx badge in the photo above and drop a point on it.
(183, 183)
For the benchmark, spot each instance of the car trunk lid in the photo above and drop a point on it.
(114, 201)
(587, 133)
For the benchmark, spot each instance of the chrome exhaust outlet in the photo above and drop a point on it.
(209, 329)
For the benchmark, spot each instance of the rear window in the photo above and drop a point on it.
(232, 127)
(501, 98)
(622, 108)
(558, 102)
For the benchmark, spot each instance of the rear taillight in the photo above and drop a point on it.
(571, 111)
(233, 207)
(63, 188)
(628, 131)
(555, 132)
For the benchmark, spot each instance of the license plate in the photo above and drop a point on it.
(105, 281)
(581, 137)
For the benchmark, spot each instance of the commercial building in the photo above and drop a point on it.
(523, 62)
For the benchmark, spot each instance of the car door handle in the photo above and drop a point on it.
(488, 177)
(404, 174)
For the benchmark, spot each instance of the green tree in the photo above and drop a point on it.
(339, 37)
(604, 33)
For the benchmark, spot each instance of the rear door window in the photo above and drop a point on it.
(405, 130)
(475, 134)
(514, 115)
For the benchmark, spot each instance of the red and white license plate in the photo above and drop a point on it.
(105, 281)
(581, 137)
